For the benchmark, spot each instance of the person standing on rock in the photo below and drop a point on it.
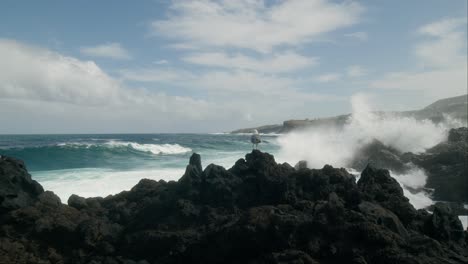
(255, 139)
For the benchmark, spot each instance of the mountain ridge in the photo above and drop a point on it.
(455, 107)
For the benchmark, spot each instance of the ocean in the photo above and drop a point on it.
(105, 164)
(100, 165)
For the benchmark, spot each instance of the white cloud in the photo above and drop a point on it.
(437, 83)
(236, 84)
(442, 27)
(31, 74)
(356, 71)
(276, 63)
(447, 44)
(155, 75)
(108, 50)
(34, 73)
(252, 24)
(329, 77)
(160, 62)
(360, 35)
(242, 83)
(78, 96)
(444, 60)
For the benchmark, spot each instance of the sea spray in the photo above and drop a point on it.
(413, 182)
(338, 146)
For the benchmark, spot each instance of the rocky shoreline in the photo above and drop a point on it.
(258, 211)
(446, 165)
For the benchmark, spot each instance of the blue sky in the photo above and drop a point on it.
(208, 66)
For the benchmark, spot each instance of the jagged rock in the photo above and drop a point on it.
(458, 135)
(77, 202)
(17, 189)
(301, 165)
(447, 168)
(383, 217)
(377, 185)
(256, 212)
(443, 225)
(380, 156)
(445, 164)
(50, 199)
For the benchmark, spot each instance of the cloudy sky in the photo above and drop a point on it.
(210, 66)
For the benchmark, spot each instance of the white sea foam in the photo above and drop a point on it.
(412, 183)
(152, 148)
(464, 221)
(249, 134)
(98, 182)
(338, 146)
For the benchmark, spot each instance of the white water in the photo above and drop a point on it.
(99, 182)
(338, 146)
(415, 179)
(464, 221)
(152, 148)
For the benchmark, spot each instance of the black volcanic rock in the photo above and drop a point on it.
(458, 135)
(380, 156)
(258, 211)
(378, 186)
(446, 164)
(17, 189)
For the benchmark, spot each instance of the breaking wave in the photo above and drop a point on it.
(149, 148)
(153, 148)
(338, 146)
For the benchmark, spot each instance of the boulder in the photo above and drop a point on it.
(17, 189)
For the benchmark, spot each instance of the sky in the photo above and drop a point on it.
(154, 66)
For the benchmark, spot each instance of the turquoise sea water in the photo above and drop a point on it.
(99, 165)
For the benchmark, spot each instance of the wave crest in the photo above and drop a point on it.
(149, 148)
(153, 148)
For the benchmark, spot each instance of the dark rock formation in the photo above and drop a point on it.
(381, 156)
(17, 189)
(258, 211)
(446, 164)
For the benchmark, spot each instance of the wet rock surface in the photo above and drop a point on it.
(446, 164)
(258, 211)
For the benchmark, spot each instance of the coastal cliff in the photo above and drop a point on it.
(453, 107)
(258, 211)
